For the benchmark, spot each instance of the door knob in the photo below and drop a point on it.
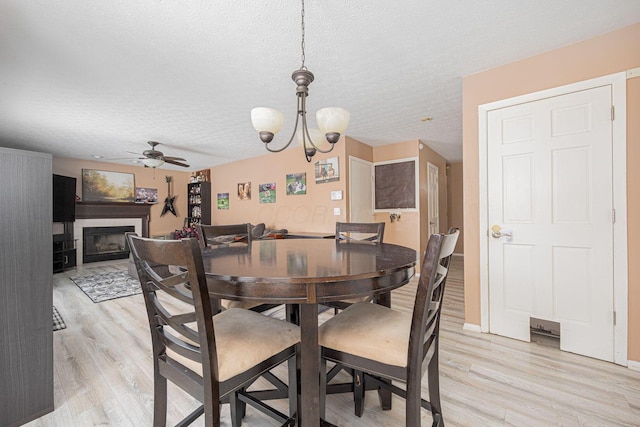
(497, 232)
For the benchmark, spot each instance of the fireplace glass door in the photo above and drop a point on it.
(105, 243)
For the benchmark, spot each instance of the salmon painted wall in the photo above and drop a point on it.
(607, 54)
(411, 230)
(310, 212)
(314, 211)
(406, 231)
(144, 177)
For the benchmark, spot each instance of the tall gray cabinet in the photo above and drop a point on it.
(26, 287)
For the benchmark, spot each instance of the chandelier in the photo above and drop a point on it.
(332, 121)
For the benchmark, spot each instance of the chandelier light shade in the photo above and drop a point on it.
(267, 120)
(331, 121)
(315, 134)
(153, 163)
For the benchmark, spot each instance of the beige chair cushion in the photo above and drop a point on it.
(371, 331)
(227, 304)
(244, 339)
(357, 300)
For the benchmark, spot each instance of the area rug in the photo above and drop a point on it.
(106, 286)
(58, 322)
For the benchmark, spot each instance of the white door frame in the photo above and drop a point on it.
(430, 198)
(353, 159)
(618, 81)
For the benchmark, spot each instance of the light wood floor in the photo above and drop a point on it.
(103, 373)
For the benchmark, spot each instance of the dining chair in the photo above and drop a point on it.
(387, 344)
(214, 235)
(367, 231)
(356, 231)
(214, 358)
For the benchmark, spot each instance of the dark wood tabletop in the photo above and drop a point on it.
(307, 272)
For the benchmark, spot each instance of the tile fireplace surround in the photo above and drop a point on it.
(109, 215)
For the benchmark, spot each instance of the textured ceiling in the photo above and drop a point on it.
(94, 77)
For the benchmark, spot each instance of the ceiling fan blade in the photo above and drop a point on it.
(173, 162)
(126, 158)
(179, 159)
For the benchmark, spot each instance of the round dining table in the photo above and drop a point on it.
(307, 272)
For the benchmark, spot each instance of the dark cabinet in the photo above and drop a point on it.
(64, 252)
(26, 286)
(199, 203)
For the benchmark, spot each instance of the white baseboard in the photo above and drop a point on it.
(472, 328)
(633, 364)
(455, 254)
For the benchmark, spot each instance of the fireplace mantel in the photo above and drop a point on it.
(93, 210)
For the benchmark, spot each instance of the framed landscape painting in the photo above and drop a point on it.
(104, 186)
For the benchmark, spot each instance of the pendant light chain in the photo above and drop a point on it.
(302, 67)
(332, 121)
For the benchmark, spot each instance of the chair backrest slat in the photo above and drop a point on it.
(185, 329)
(428, 305)
(207, 234)
(369, 231)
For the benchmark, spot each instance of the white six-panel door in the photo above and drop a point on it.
(549, 185)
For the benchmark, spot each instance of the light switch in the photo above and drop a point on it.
(336, 211)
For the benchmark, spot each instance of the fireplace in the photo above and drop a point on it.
(105, 243)
(109, 215)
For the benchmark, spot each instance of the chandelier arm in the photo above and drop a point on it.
(305, 131)
(309, 152)
(295, 127)
(320, 150)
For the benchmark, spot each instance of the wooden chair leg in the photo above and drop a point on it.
(292, 312)
(433, 378)
(358, 392)
(413, 402)
(293, 386)
(323, 387)
(243, 405)
(159, 400)
(384, 394)
(236, 408)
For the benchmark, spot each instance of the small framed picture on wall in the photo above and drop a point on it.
(267, 192)
(327, 170)
(244, 191)
(296, 183)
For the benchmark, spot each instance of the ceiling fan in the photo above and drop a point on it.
(154, 158)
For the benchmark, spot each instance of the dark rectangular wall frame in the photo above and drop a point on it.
(395, 185)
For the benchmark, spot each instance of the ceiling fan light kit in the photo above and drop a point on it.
(332, 121)
(153, 163)
(154, 158)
